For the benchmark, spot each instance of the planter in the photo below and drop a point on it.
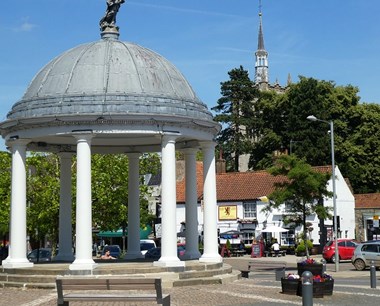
(315, 269)
(318, 289)
(290, 286)
(329, 287)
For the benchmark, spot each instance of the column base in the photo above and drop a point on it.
(169, 262)
(192, 255)
(211, 258)
(9, 263)
(134, 255)
(64, 257)
(83, 264)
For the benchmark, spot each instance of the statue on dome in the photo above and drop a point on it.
(109, 19)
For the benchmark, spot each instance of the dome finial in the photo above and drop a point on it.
(108, 22)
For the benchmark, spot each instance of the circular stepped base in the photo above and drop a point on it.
(43, 275)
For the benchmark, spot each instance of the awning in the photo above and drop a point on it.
(144, 233)
(274, 229)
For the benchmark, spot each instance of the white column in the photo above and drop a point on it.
(133, 207)
(83, 239)
(168, 206)
(17, 248)
(65, 211)
(210, 247)
(192, 246)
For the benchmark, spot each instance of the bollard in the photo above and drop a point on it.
(323, 261)
(307, 288)
(373, 274)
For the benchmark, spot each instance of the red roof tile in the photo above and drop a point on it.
(367, 200)
(237, 186)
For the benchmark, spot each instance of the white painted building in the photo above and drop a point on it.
(241, 199)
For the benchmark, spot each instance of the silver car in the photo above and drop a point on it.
(365, 253)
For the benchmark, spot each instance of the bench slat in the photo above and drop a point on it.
(110, 284)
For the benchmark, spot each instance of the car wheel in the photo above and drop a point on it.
(332, 259)
(359, 264)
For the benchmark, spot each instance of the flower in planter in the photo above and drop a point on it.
(308, 261)
(292, 276)
(318, 279)
(327, 277)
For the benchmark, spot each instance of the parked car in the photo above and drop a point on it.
(115, 250)
(146, 244)
(346, 248)
(40, 255)
(155, 253)
(365, 253)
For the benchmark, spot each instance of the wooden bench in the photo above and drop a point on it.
(238, 253)
(278, 267)
(99, 289)
(273, 254)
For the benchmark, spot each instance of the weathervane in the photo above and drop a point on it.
(108, 22)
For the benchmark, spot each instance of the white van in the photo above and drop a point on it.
(146, 244)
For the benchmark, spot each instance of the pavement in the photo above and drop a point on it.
(351, 288)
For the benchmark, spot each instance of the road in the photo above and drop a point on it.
(351, 288)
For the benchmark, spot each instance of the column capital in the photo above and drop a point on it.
(190, 151)
(83, 137)
(208, 144)
(17, 142)
(133, 155)
(169, 138)
(65, 155)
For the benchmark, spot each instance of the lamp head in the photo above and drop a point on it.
(312, 118)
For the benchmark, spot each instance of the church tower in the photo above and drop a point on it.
(261, 65)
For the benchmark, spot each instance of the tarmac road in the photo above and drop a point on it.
(351, 288)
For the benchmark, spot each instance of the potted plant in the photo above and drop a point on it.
(290, 284)
(328, 284)
(310, 265)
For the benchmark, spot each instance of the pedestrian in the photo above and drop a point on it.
(107, 255)
(276, 248)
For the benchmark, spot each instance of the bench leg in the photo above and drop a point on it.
(245, 274)
(166, 301)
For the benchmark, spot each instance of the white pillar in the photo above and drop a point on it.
(65, 211)
(210, 247)
(192, 246)
(133, 207)
(17, 248)
(168, 206)
(83, 240)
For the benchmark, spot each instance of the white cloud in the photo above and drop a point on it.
(184, 10)
(25, 26)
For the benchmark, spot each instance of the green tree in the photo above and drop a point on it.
(109, 192)
(235, 110)
(110, 189)
(5, 191)
(43, 196)
(302, 188)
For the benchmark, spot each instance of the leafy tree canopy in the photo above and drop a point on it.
(301, 189)
(235, 110)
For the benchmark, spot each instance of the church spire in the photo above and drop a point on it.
(261, 65)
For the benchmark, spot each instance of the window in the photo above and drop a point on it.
(372, 248)
(287, 238)
(288, 206)
(250, 210)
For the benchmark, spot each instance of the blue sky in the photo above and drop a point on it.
(336, 40)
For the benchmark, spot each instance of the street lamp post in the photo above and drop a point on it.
(331, 123)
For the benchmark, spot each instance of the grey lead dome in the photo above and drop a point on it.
(109, 77)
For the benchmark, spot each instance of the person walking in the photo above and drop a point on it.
(276, 248)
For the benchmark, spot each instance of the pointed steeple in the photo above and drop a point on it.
(261, 65)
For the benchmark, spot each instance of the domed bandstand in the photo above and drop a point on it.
(108, 97)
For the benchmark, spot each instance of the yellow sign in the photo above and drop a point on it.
(227, 212)
(375, 217)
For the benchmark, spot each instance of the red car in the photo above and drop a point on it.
(346, 249)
